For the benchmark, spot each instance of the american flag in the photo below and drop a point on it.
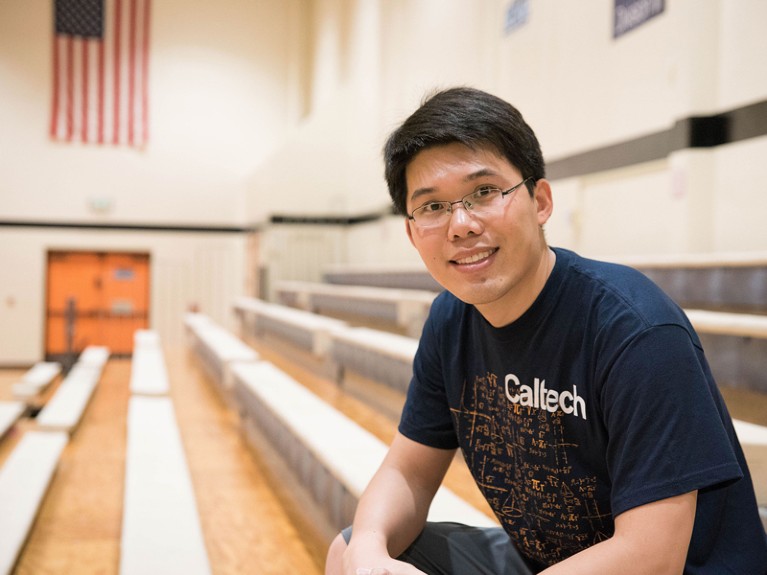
(100, 72)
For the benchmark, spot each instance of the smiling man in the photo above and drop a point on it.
(576, 390)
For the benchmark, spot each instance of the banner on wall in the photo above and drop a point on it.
(630, 14)
(101, 72)
(516, 15)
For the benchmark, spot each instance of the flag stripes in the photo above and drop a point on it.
(100, 82)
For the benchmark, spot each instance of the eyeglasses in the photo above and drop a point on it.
(483, 200)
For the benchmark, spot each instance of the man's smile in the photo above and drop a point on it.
(475, 257)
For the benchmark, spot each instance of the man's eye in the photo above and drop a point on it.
(483, 192)
(433, 207)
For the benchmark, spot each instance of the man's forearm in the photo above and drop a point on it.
(393, 509)
(390, 513)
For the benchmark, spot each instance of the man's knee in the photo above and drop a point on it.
(334, 559)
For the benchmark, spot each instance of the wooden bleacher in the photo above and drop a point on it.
(732, 282)
(24, 480)
(218, 350)
(725, 296)
(399, 276)
(308, 331)
(339, 348)
(27, 473)
(36, 380)
(380, 356)
(329, 456)
(326, 458)
(403, 309)
(65, 409)
(10, 412)
(161, 531)
(148, 373)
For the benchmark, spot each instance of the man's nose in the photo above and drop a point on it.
(462, 221)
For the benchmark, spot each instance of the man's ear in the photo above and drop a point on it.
(544, 203)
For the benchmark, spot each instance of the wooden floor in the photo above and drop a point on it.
(246, 525)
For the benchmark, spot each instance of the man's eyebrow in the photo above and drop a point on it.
(421, 192)
(481, 173)
(484, 172)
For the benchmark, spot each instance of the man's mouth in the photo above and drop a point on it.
(474, 258)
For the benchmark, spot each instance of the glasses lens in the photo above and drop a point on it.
(483, 199)
(431, 214)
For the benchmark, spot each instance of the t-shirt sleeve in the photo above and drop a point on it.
(426, 416)
(667, 433)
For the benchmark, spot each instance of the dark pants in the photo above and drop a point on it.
(456, 549)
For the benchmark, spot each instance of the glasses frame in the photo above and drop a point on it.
(463, 201)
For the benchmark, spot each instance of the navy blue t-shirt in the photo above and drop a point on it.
(596, 400)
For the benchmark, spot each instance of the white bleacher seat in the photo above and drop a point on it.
(149, 375)
(218, 350)
(723, 323)
(735, 344)
(380, 356)
(10, 411)
(400, 275)
(65, 409)
(405, 308)
(145, 337)
(161, 531)
(332, 456)
(94, 355)
(39, 377)
(193, 320)
(24, 481)
(305, 329)
(750, 433)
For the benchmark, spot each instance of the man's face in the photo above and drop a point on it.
(494, 261)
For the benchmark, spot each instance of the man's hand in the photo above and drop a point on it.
(359, 561)
(397, 568)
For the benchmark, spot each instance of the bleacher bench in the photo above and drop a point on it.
(65, 409)
(218, 350)
(331, 456)
(377, 355)
(716, 281)
(406, 309)
(399, 276)
(149, 375)
(10, 412)
(36, 379)
(735, 345)
(24, 480)
(161, 530)
(308, 331)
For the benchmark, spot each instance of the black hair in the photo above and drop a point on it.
(468, 116)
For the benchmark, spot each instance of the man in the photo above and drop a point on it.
(577, 391)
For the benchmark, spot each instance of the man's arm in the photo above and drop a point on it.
(651, 539)
(393, 509)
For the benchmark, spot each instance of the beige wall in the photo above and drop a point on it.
(263, 107)
(227, 81)
(219, 76)
(580, 89)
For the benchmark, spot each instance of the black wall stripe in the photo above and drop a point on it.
(693, 132)
(124, 227)
(326, 220)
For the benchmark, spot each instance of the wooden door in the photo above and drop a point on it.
(95, 298)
